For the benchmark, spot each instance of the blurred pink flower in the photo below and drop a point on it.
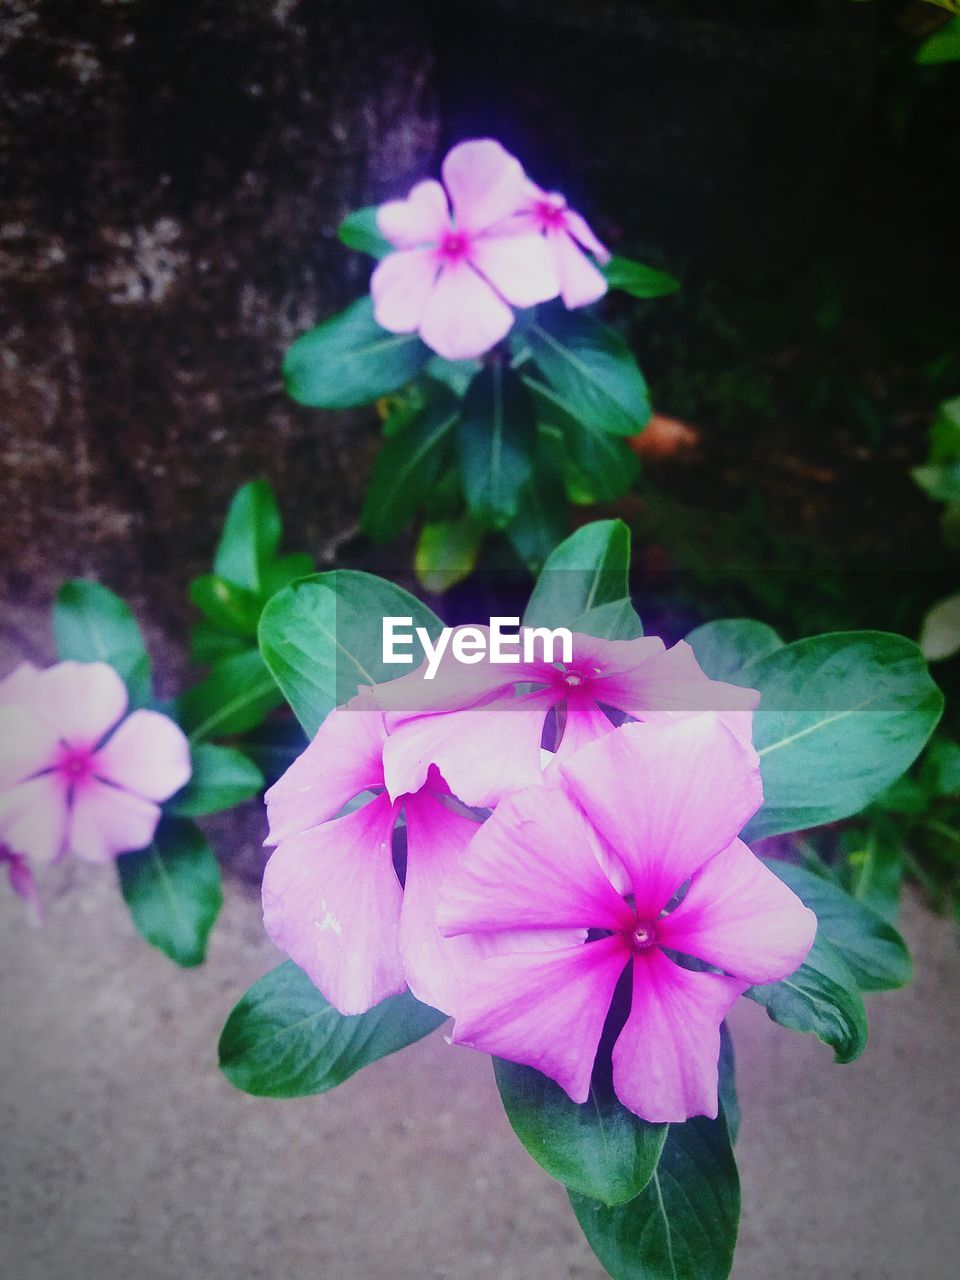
(67, 783)
(457, 271)
(483, 726)
(570, 238)
(22, 882)
(663, 804)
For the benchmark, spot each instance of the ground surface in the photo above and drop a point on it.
(126, 1154)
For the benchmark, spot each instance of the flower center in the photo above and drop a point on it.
(549, 214)
(454, 247)
(75, 766)
(644, 935)
(574, 679)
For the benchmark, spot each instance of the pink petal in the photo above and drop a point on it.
(106, 821)
(738, 916)
(584, 723)
(420, 219)
(81, 700)
(673, 680)
(24, 885)
(580, 281)
(33, 818)
(17, 688)
(544, 1009)
(665, 1059)
(520, 267)
(535, 864)
(485, 182)
(400, 286)
(463, 317)
(331, 901)
(28, 745)
(454, 685)
(344, 759)
(667, 797)
(482, 752)
(581, 230)
(432, 964)
(148, 754)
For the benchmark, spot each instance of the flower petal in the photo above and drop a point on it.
(580, 281)
(482, 752)
(463, 316)
(81, 700)
(436, 839)
(520, 267)
(400, 287)
(667, 797)
(33, 818)
(331, 901)
(17, 688)
(148, 754)
(665, 1058)
(671, 680)
(581, 230)
(486, 183)
(738, 916)
(535, 864)
(344, 759)
(28, 745)
(24, 885)
(420, 219)
(106, 821)
(544, 1009)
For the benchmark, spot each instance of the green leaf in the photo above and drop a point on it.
(683, 1225)
(541, 519)
(323, 636)
(281, 572)
(874, 952)
(617, 620)
(596, 467)
(173, 891)
(587, 569)
(359, 231)
(942, 45)
(939, 481)
(727, 1083)
(405, 471)
(455, 375)
(638, 280)
(250, 538)
(940, 630)
(822, 999)
(599, 1148)
(230, 608)
(349, 360)
(283, 1040)
(237, 694)
(590, 370)
(878, 869)
(91, 624)
(209, 644)
(496, 436)
(447, 552)
(221, 778)
(942, 765)
(723, 647)
(841, 716)
(274, 746)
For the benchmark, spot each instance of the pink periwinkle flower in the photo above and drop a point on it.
(332, 899)
(483, 726)
(74, 774)
(571, 241)
(462, 259)
(664, 802)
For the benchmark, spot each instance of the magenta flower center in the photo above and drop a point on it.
(454, 247)
(75, 766)
(644, 935)
(549, 214)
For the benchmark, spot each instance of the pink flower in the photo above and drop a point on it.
(570, 239)
(22, 882)
(456, 274)
(72, 777)
(332, 899)
(663, 804)
(483, 726)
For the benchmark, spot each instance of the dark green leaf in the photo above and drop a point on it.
(590, 370)
(447, 552)
(208, 644)
(636, 279)
(599, 1148)
(274, 746)
(91, 624)
(617, 620)
(942, 765)
(281, 572)
(359, 231)
(587, 569)
(683, 1225)
(455, 375)
(541, 519)
(596, 466)
(250, 538)
(878, 868)
(822, 999)
(237, 694)
(349, 360)
(173, 891)
(323, 636)
(283, 1040)
(873, 950)
(723, 647)
(942, 45)
(496, 435)
(231, 608)
(405, 470)
(221, 778)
